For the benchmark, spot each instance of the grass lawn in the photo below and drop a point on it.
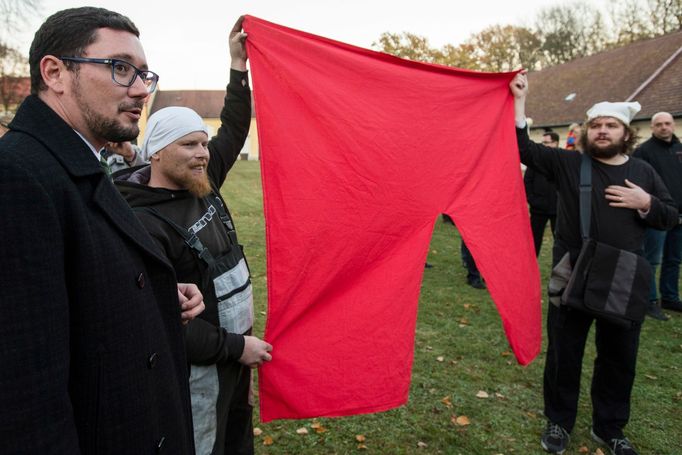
(461, 350)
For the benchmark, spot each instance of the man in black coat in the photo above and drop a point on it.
(541, 196)
(664, 152)
(91, 347)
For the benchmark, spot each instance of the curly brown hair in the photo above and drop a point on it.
(628, 144)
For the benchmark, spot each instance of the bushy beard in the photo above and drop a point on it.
(200, 186)
(607, 152)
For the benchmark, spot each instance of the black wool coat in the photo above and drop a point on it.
(92, 357)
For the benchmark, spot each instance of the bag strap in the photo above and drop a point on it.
(585, 195)
(190, 238)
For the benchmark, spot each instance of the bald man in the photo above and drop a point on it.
(664, 152)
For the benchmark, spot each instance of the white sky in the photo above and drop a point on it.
(186, 42)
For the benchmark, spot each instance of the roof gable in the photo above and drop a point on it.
(612, 75)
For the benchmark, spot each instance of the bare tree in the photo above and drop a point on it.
(630, 22)
(666, 15)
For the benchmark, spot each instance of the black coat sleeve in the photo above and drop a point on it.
(663, 213)
(208, 344)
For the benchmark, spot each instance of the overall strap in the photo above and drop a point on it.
(225, 217)
(585, 195)
(190, 238)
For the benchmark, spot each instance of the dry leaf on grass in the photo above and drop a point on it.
(440, 358)
(360, 438)
(482, 394)
(506, 353)
(302, 430)
(268, 441)
(651, 376)
(598, 452)
(583, 449)
(446, 401)
(460, 420)
(422, 445)
(257, 431)
(362, 447)
(318, 427)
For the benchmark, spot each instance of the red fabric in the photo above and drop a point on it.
(360, 153)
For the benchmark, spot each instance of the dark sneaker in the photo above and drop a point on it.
(672, 305)
(616, 446)
(653, 310)
(555, 439)
(476, 283)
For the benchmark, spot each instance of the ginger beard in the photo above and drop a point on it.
(184, 164)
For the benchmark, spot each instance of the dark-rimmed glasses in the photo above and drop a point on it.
(122, 72)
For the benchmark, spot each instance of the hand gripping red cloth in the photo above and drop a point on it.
(360, 153)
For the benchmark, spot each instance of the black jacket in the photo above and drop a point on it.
(540, 193)
(666, 158)
(91, 350)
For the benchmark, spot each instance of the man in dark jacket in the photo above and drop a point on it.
(626, 196)
(91, 350)
(177, 199)
(664, 152)
(541, 196)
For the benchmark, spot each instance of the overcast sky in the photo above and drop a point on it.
(186, 42)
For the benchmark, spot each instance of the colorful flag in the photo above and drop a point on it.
(361, 152)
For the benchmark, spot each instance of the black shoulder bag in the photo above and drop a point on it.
(610, 283)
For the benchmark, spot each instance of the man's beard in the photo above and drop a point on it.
(199, 186)
(609, 151)
(107, 128)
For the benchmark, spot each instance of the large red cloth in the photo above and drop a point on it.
(361, 152)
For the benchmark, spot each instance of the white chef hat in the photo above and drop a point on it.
(624, 112)
(167, 125)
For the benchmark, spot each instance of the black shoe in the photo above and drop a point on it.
(476, 283)
(555, 439)
(653, 310)
(672, 305)
(616, 446)
(428, 266)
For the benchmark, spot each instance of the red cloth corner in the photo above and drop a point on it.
(360, 153)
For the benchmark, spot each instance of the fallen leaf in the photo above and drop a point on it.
(482, 394)
(440, 358)
(360, 438)
(583, 449)
(319, 428)
(302, 430)
(268, 441)
(429, 348)
(467, 306)
(506, 354)
(598, 452)
(422, 445)
(499, 395)
(650, 376)
(464, 321)
(362, 447)
(257, 431)
(262, 313)
(446, 401)
(460, 420)
(315, 425)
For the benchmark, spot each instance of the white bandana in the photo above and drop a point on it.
(167, 125)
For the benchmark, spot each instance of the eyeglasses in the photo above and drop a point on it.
(122, 72)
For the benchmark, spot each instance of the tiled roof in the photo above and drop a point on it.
(19, 87)
(613, 75)
(207, 103)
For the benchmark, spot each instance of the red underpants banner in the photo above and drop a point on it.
(361, 152)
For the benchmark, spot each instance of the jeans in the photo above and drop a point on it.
(664, 248)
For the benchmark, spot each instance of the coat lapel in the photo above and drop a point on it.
(39, 121)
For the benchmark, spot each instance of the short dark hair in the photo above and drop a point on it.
(552, 135)
(628, 144)
(69, 32)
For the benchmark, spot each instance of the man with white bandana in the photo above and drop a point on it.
(627, 196)
(177, 198)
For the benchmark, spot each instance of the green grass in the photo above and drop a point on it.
(475, 357)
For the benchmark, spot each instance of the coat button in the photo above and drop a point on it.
(140, 280)
(152, 360)
(159, 445)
